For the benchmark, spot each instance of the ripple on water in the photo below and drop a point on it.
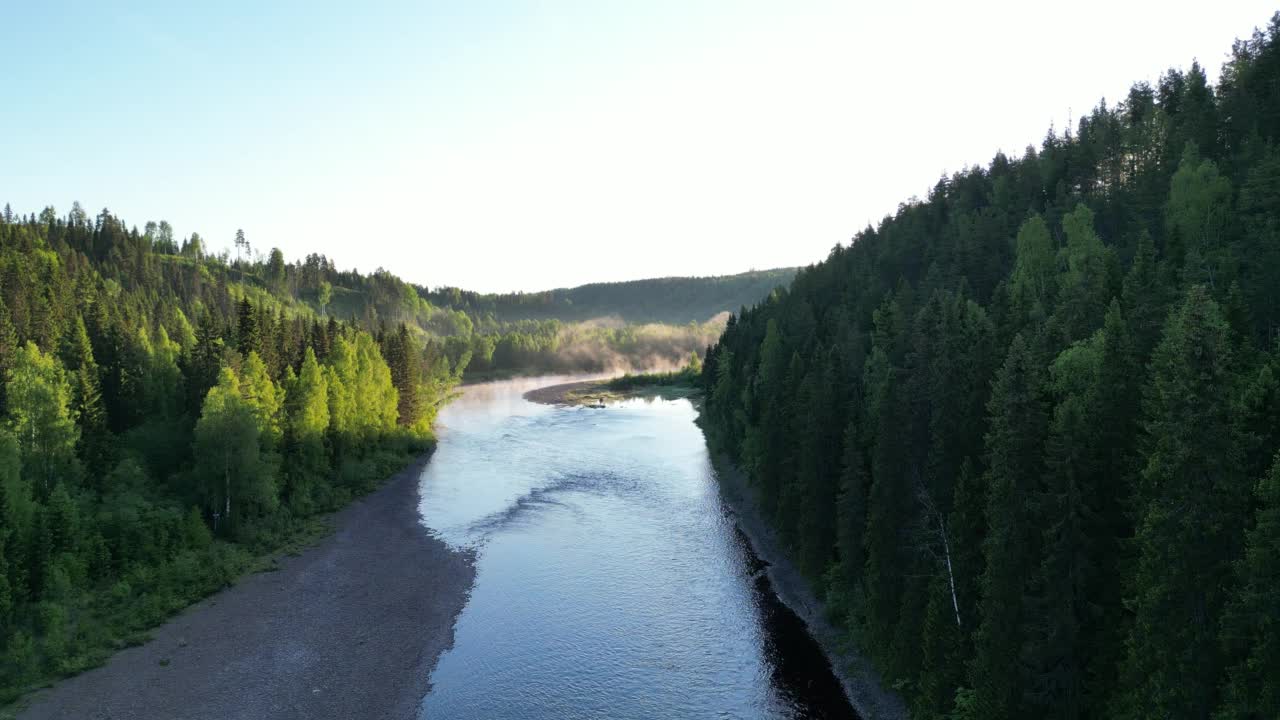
(611, 582)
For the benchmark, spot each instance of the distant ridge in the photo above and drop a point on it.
(675, 300)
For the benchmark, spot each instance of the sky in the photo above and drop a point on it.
(502, 146)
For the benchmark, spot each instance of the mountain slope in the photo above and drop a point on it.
(670, 300)
(1013, 433)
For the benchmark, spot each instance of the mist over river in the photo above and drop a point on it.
(611, 580)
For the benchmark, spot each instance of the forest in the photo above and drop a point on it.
(169, 414)
(595, 346)
(1022, 435)
(670, 300)
(629, 326)
(166, 419)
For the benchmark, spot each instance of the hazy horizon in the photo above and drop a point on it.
(505, 147)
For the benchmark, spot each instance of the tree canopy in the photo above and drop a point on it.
(1056, 379)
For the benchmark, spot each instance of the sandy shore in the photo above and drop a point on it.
(861, 683)
(562, 394)
(351, 628)
(591, 392)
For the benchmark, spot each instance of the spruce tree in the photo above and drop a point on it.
(1251, 622)
(247, 337)
(1191, 498)
(1014, 442)
(1144, 298)
(402, 359)
(851, 521)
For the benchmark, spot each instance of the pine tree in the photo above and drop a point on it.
(889, 505)
(845, 594)
(9, 347)
(7, 599)
(1251, 622)
(1115, 403)
(275, 273)
(1144, 299)
(1062, 605)
(1015, 437)
(1259, 241)
(248, 339)
(204, 360)
(96, 446)
(764, 446)
(402, 359)
(1190, 501)
(818, 476)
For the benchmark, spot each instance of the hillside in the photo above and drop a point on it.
(1022, 434)
(168, 415)
(671, 300)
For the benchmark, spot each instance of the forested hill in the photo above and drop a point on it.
(670, 300)
(164, 417)
(1022, 434)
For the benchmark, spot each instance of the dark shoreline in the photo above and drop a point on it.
(861, 683)
(859, 680)
(592, 392)
(351, 627)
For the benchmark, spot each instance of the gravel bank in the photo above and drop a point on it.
(351, 628)
(861, 683)
(559, 394)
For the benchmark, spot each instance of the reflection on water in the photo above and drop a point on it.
(611, 581)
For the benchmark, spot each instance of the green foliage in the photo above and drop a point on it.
(1191, 507)
(685, 376)
(263, 396)
(1015, 437)
(145, 462)
(39, 397)
(552, 346)
(1032, 282)
(1250, 633)
(1196, 214)
(1078, 531)
(672, 301)
(231, 474)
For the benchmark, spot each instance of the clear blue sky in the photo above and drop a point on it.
(525, 145)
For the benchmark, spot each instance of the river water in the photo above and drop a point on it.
(611, 581)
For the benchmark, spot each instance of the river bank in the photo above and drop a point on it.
(605, 390)
(351, 627)
(613, 581)
(860, 680)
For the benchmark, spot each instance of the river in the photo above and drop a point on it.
(611, 579)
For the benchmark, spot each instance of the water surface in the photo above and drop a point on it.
(611, 580)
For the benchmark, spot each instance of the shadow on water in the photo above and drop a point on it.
(800, 670)
(612, 580)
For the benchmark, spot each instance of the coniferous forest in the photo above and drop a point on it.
(1022, 435)
(169, 414)
(166, 419)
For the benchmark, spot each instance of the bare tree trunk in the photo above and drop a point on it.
(226, 477)
(951, 577)
(922, 493)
